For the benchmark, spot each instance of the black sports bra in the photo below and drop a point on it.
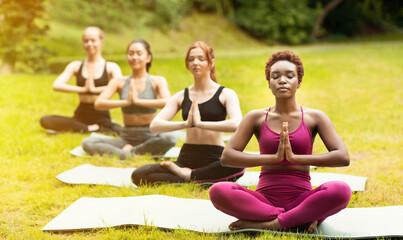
(102, 81)
(212, 110)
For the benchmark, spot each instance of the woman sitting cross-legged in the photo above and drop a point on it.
(286, 131)
(140, 95)
(205, 105)
(93, 75)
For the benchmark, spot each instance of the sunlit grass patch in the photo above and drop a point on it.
(359, 86)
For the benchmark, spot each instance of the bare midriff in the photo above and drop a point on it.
(87, 98)
(202, 136)
(138, 119)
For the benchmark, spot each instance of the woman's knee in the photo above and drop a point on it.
(340, 192)
(88, 145)
(45, 121)
(221, 191)
(138, 175)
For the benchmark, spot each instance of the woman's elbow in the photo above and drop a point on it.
(345, 160)
(225, 160)
(98, 105)
(55, 87)
(153, 126)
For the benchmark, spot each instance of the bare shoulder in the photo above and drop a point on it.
(74, 65)
(157, 79)
(111, 66)
(314, 116)
(118, 81)
(228, 92)
(179, 96)
(256, 115)
(70, 70)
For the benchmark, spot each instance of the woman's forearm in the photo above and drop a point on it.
(159, 125)
(104, 104)
(336, 158)
(220, 126)
(234, 158)
(98, 90)
(68, 88)
(151, 103)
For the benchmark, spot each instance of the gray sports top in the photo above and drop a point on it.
(148, 93)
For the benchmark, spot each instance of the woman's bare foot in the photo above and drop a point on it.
(178, 171)
(127, 148)
(243, 224)
(93, 128)
(312, 228)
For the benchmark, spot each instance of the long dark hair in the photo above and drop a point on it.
(146, 46)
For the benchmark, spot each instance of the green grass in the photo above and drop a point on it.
(358, 85)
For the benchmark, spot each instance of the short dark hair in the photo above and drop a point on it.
(285, 56)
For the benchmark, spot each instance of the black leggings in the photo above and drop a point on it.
(203, 159)
(84, 115)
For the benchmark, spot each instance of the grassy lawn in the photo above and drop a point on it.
(359, 85)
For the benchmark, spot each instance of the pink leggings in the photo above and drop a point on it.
(286, 195)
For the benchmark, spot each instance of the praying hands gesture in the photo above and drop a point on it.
(194, 117)
(284, 146)
(90, 84)
(132, 97)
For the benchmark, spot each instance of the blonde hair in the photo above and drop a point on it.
(100, 32)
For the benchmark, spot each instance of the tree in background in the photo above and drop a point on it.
(286, 21)
(22, 29)
(329, 7)
(351, 18)
(294, 21)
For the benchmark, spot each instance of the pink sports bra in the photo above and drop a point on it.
(300, 139)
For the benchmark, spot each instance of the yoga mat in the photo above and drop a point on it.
(201, 216)
(119, 177)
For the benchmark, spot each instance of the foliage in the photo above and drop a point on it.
(168, 14)
(357, 84)
(110, 15)
(117, 15)
(286, 21)
(22, 29)
(363, 17)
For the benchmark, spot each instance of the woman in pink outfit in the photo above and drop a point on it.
(284, 197)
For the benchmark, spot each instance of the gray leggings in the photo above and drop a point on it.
(141, 138)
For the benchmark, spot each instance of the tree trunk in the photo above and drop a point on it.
(7, 66)
(329, 7)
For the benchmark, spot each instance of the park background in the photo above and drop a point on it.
(353, 72)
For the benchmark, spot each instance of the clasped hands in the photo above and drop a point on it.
(284, 146)
(90, 84)
(133, 96)
(194, 118)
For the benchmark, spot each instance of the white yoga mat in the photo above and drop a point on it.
(201, 216)
(89, 174)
